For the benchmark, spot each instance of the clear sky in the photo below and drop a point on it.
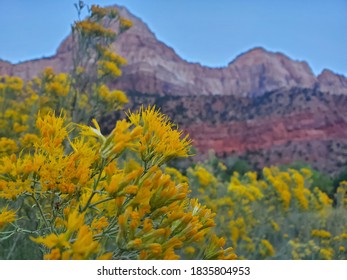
(211, 32)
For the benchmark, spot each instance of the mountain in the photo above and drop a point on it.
(263, 106)
(155, 68)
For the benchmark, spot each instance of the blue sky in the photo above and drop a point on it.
(210, 32)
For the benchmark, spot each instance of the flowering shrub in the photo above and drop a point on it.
(277, 215)
(69, 192)
(108, 197)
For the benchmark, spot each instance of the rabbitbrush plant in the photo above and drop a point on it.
(69, 192)
(277, 214)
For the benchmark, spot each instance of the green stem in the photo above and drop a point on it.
(88, 202)
(7, 237)
(101, 201)
(41, 212)
(27, 231)
(105, 233)
(94, 187)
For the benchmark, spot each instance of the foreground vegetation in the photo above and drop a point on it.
(67, 191)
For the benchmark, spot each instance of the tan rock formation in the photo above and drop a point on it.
(331, 82)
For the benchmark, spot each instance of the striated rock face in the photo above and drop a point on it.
(263, 106)
(278, 127)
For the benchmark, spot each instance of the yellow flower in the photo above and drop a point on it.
(112, 99)
(238, 229)
(14, 83)
(99, 224)
(75, 220)
(323, 198)
(93, 29)
(98, 11)
(108, 68)
(111, 56)
(159, 141)
(154, 248)
(343, 235)
(115, 183)
(53, 255)
(131, 189)
(275, 226)
(29, 139)
(135, 244)
(7, 146)
(266, 248)
(84, 246)
(189, 250)
(53, 240)
(6, 216)
(18, 128)
(176, 175)
(205, 178)
(321, 233)
(18, 171)
(307, 172)
(214, 251)
(170, 254)
(125, 23)
(326, 253)
(53, 132)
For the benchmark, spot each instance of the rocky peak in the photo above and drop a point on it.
(331, 82)
(139, 28)
(263, 71)
(155, 68)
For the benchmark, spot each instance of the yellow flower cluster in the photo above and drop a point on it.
(75, 243)
(112, 100)
(12, 84)
(125, 23)
(266, 248)
(277, 214)
(15, 97)
(321, 233)
(7, 146)
(110, 63)
(92, 204)
(6, 216)
(89, 28)
(55, 84)
(99, 12)
(205, 178)
(159, 142)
